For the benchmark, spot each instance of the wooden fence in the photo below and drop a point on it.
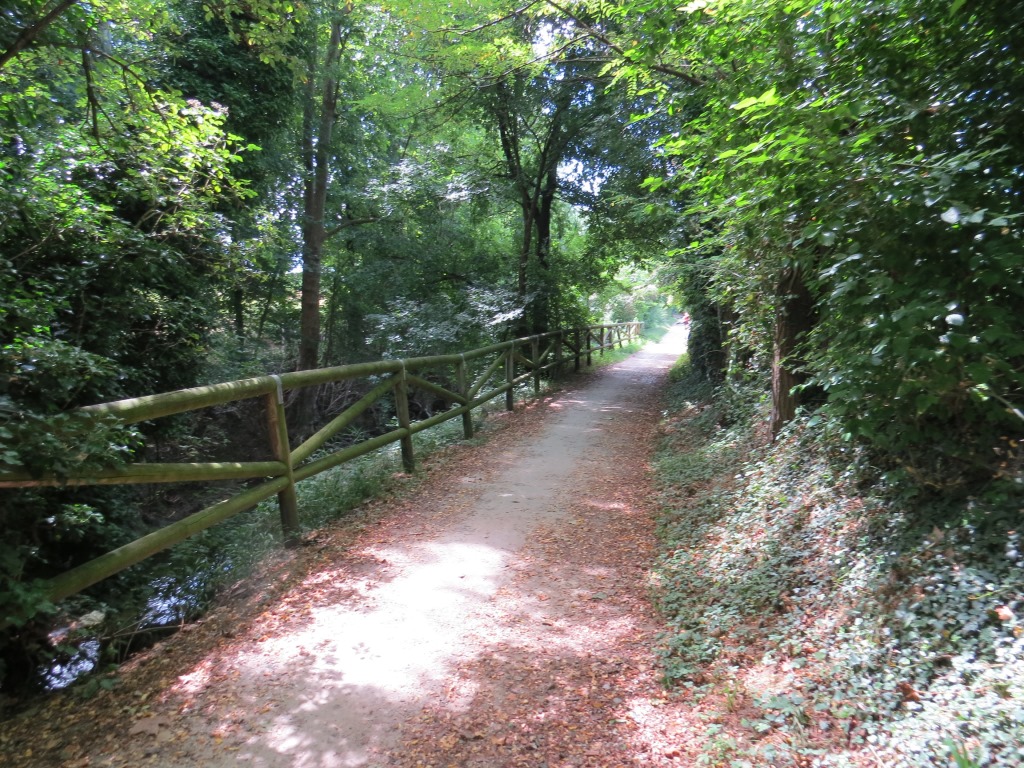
(473, 371)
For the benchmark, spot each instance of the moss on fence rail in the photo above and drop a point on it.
(293, 465)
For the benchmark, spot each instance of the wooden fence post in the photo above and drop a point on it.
(288, 466)
(404, 422)
(462, 380)
(535, 353)
(510, 376)
(277, 426)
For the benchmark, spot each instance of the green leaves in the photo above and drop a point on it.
(753, 106)
(869, 147)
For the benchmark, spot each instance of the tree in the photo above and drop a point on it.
(109, 263)
(542, 99)
(319, 114)
(111, 184)
(209, 58)
(851, 168)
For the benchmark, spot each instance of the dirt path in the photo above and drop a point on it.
(499, 617)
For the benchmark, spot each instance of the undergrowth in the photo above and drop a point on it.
(820, 618)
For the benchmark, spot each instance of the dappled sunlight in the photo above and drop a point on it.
(561, 658)
(566, 403)
(196, 680)
(405, 631)
(607, 504)
(502, 610)
(354, 646)
(379, 654)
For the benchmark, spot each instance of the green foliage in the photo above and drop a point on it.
(109, 259)
(872, 149)
(43, 376)
(155, 163)
(681, 369)
(634, 295)
(442, 326)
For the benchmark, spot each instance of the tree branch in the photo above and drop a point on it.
(29, 34)
(493, 22)
(664, 69)
(126, 72)
(349, 223)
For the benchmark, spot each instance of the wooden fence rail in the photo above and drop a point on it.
(289, 466)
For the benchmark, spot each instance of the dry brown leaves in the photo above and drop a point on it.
(590, 694)
(569, 677)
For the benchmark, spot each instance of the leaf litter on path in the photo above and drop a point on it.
(499, 622)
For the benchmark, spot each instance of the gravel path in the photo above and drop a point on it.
(497, 617)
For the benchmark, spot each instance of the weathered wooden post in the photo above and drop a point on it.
(277, 426)
(602, 341)
(622, 340)
(462, 381)
(558, 354)
(402, 410)
(510, 377)
(577, 338)
(590, 337)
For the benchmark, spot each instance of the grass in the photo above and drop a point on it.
(824, 619)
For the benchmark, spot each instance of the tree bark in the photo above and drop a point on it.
(794, 319)
(316, 151)
(316, 155)
(535, 182)
(526, 204)
(238, 310)
(547, 201)
(30, 34)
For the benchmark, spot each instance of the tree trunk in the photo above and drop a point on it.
(794, 318)
(269, 303)
(238, 308)
(546, 190)
(316, 146)
(536, 182)
(333, 310)
(547, 201)
(527, 206)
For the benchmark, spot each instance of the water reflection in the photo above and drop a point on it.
(174, 601)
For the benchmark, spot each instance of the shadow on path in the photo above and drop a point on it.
(495, 591)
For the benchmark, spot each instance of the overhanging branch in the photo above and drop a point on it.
(601, 37)
(349, 223)
(29, 34)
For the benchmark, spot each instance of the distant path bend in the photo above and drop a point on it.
(499, 617)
